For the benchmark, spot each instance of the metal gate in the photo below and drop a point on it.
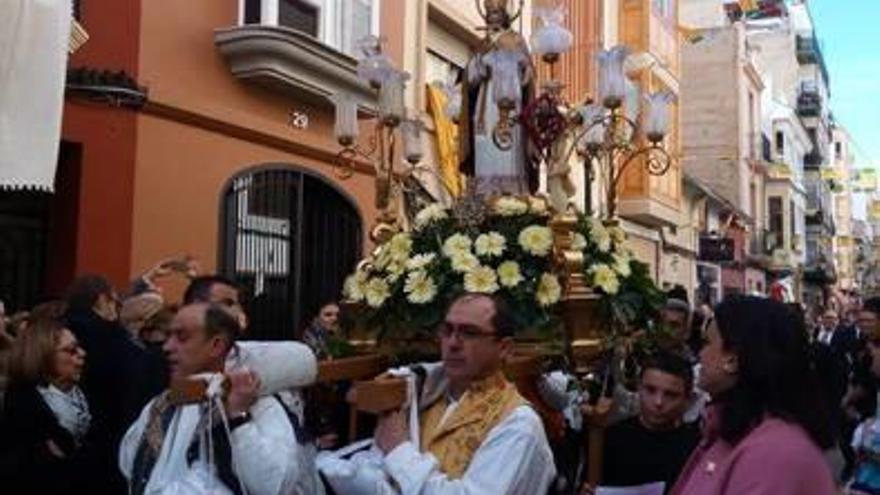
(23, 227)
(290, 239)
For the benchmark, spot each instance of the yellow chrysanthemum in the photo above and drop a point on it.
(536, 240)
(509, 274)
(400, 246)
(621, 265)
(605, 278)
(463, 263)
(579, 242)
(600, 235)
(549, 291)
(491, 244)
(420, 261)
(419, 288)
(429, 214)
(481, 280)
(382, 257)
(354, 286)
(394, 270)
(508, 206)
(457, 244)
(376, 292)
(617, 235)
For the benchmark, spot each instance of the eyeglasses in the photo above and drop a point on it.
(72, 349)
(466, 332)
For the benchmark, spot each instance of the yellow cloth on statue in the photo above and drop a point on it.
(481, 408)
(748, 5)
(447, 140)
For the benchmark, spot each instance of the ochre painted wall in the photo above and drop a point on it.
(182, 172)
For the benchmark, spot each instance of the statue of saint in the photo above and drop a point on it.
(498, 80)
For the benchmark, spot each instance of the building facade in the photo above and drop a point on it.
(721, 128)
(227, 156)
(840, 177)
(792, 61)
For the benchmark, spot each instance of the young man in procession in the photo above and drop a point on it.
(654, 445)
(477, 434)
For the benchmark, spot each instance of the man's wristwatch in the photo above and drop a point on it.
(239, 419)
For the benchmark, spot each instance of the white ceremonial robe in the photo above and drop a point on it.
(268, 459)
(514, 459)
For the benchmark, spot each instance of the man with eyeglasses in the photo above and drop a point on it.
(477, 434)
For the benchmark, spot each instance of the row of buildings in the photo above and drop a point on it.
(759, 132)
(204, 128)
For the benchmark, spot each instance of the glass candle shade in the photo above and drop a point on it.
(612, 78)
(391, 105)
(411, 129)
(594, 124)
(552, 38)
(656, 116)
(345, 127)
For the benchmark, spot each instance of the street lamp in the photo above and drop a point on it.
(390, 87)
(610, 141)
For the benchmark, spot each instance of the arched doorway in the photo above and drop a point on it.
(290, 239)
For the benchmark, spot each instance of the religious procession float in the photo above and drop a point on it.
(513, 224)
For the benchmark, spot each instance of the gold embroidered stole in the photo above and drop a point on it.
(485, 404)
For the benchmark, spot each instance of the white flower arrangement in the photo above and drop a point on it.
(628, 294)
(408, 281)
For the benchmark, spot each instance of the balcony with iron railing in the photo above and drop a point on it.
(809, 52)
(762, 243)
(807, 49)
(809, 102)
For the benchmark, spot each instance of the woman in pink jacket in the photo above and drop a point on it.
(765, 428)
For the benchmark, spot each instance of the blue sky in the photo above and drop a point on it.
(849, 31)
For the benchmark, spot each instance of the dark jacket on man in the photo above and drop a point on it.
(119, 379)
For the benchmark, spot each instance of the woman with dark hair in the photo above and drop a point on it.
(323, 327)
(765, 429)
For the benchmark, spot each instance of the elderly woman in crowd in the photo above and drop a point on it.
(46, 419)
(765, 430)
